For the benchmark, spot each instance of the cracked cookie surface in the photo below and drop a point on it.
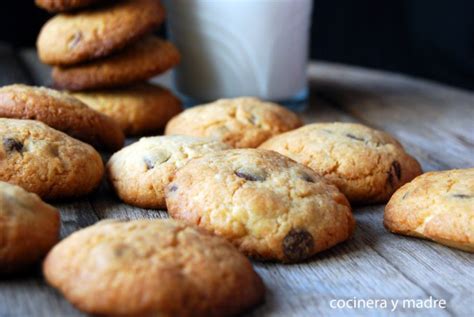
(138, 109)
(438, 206)
(45, 161)
(240, 122)
(76, 37)
(28, 228)
(269, 206)
(141, 171)
(60, 111)
(366, 164)
(152, 268)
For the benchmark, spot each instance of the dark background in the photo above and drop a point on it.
(426, 38)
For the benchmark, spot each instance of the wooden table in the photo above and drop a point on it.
(434, 122)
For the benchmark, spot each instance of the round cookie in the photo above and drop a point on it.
(63, 5)
(140, 109)
(240, 122)
(141, 171)
(438, 206)
(28, 228)
(140, 61)
(269, 206)
(152, 268)
(46, 161)
(60, 111)
(366, 164)
(76, 37)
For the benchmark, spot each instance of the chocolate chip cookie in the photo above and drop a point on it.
(62, 112)
(240, 122)
(63, 5)
(269, 206)
(438, 206)
(45, 161)
(366, 164)
(139, 109)
(141, 171)
(28, 228)
(138, 62)
(152, 268)
(76, 37)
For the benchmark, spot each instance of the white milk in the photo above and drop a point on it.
(234, 48)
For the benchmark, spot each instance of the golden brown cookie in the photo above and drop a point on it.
(60, 111)
(240, 122)
(139, 109)
(152, 268)
(140, 61)
(46, 161)
(366, 164)
(76, 37)
(269, 206)
(141, 171)
(438, 206)
(28, 228)
(63, 5)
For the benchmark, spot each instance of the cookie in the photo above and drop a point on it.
(141, 171)
(140, 61)
(62, 112)
(140, 109)
(45, 161)
(366, 164)
(152, 268)
(63, 5)
(240, 122)
(76, 37)
(438, 206)
(28, 228)
(269, 206)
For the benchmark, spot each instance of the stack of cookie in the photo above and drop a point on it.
(104, 53)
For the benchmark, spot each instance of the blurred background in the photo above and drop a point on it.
(433, 39)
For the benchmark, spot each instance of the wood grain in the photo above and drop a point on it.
(434, 122)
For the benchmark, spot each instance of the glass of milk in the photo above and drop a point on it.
(233, 48)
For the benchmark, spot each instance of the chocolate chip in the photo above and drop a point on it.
(253, 119)
(12, 145)
(173, 188)
(77, 37)
(250, 175)
(156, 158)
(395, 171)
(397, 168)
(298, 244)
(121, 250)
(462, 196)
(307, 178)
(149, 163)
(351, 136)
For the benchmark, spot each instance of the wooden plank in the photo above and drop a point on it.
(374, 264)
(437, 269)
(435, 118)
(30, 296)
